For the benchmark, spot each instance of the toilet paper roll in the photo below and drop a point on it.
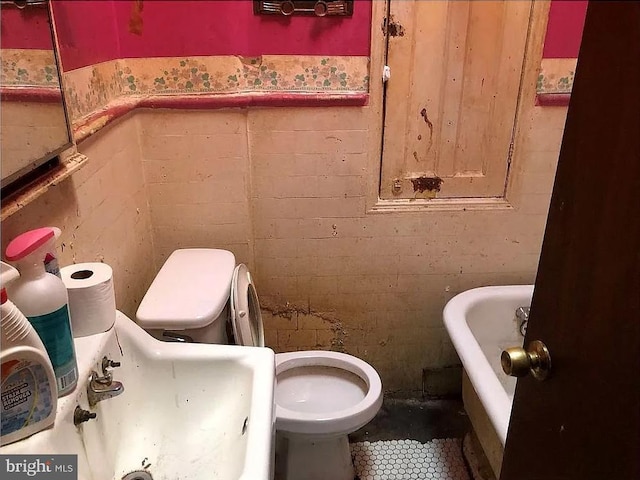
(92, 302)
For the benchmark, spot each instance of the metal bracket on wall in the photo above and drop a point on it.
(319, 8)
(23, 3)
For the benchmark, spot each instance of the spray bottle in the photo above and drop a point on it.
(42, 297)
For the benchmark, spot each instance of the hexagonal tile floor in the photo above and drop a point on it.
(439, 459)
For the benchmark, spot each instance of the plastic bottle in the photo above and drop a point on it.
(42, 298)
(29, 394)
(51, 258)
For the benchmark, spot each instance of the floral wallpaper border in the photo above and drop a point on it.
(556, 75)
(28, 68)
(91, 88)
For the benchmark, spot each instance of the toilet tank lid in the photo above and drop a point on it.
(190, 290)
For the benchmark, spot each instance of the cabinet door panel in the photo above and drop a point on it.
(451, 100)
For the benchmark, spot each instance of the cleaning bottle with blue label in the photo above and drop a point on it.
(29, 393)
(42, 297)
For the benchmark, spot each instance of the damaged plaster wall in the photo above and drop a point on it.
(103, 212)
(301, 328)
(331, 276)
(286, 190)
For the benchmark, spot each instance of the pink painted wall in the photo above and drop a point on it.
(229, 27)
(25, 28)
(564, 30)
(87, 32)
(90, 32)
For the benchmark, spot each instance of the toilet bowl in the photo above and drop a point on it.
(321, 396)
(325, 393)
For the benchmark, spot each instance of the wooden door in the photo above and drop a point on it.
(450, 102)
(584, 422)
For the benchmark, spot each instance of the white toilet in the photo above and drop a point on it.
(321, 396)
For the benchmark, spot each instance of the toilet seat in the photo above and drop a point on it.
(246, 317)
(322, 421)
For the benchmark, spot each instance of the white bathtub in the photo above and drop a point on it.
(481, 323)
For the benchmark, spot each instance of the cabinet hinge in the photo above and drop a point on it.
(510, 154)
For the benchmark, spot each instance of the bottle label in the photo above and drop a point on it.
(55, 332)
(51, 265)
(26, 395)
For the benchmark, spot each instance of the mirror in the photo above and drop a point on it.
(33, 123)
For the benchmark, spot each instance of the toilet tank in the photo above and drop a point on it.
(190, 295)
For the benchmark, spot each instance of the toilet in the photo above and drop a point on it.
(200, 295)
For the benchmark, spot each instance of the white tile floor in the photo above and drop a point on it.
(409, 460)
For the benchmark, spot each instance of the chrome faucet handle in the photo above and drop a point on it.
(106, 364)
(522, 316)
(522, 313)
(106, 379)
(100, 388)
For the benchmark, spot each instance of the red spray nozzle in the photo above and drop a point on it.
(27, 243)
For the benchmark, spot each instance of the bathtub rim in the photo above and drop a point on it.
(492, 394)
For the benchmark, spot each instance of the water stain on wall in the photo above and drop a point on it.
(336, 326)
(135, 20)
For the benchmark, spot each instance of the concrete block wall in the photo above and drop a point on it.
(197, 171)
(103, 213)
(285, 190)
(29, 130)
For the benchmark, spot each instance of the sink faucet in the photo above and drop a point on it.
(522, 316)
(102, 387)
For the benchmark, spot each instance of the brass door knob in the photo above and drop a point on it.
(518, 362)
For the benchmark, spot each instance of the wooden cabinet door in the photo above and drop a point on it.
(450, 103)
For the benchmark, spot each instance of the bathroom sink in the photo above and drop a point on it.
(187, 411)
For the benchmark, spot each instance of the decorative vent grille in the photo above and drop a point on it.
(319, 8)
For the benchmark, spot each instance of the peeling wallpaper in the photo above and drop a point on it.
(93, 88)
(28, 68)
(112, 51)
(556, 75)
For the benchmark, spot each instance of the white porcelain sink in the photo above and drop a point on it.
(187, 411)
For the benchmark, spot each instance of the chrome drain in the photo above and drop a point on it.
(138, 475)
